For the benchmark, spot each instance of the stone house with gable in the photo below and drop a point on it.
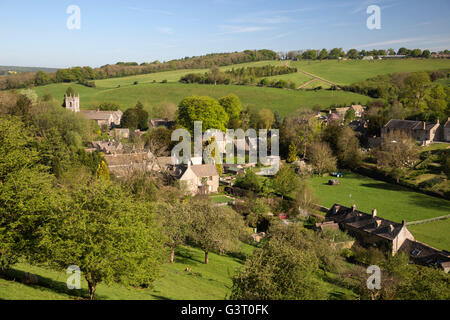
(424, 132)
(388, 236)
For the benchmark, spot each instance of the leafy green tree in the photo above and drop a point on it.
(41, 78)
(347, 149)
(214, 228)
(417, 89)
(323, 54)
(353, 54)
(233, 106)
(349, 115)
(107, 234)
(293, 154)
(205, 109)
(285, 181)
(175, 219)
(285, 267)
(26, 192)
(266, 119)
(249, 181)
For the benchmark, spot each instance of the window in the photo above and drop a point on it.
(416, 252)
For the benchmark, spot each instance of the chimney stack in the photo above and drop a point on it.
(374, 213)
(403, 223)
(424, 125)
(354, 207)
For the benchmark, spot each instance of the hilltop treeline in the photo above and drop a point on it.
(337, 53)
(122, 69)
(240, 76)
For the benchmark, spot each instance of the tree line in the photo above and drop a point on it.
(85, 75)
(243, 76)
(337, 53)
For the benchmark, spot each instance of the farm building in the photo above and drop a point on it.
(104, 118)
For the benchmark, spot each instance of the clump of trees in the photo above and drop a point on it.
(242, 76)
(285, 267)
(135, 118)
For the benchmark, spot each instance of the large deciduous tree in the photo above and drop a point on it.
(106, 233)
(204, 109)
(397, 152)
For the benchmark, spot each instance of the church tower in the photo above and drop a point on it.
(72, 103)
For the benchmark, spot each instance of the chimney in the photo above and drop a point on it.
(424, 125)
(354, 207)
(391, 228)
(374, 213)
(403, 223)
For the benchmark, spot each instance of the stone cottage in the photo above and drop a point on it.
(424, 132)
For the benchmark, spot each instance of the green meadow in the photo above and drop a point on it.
(392, 202)
(435, 234)
(150, 94)
(199, 282)
(350, 71)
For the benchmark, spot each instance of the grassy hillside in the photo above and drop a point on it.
(205, 282)
(392, 202)
(285, 101)
(350, 71)
(436, 234)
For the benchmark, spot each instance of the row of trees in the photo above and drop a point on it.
(240, 76)
(337, 53)
(121, 69)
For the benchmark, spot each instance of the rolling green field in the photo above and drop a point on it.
(350, 71)
(285, 101)
(205, 282)
(435, 234)
(392, 202)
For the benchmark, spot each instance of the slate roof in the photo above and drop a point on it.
(364, 222)
(424, 254)
(409, 125)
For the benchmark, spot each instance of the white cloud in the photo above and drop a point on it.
(389, 42)
(165, 30)
(242, 29)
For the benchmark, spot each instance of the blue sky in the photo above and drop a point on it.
(34, 33)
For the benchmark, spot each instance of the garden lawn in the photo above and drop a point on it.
(435, 234)
(392, 202)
